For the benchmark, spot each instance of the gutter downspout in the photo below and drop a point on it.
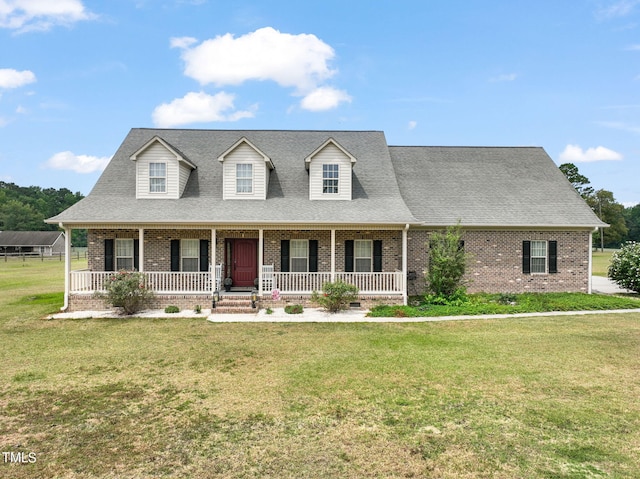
(405, 298)
(67, 265)
(590, 272)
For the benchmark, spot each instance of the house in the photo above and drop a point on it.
(291, 210)
(41, 243)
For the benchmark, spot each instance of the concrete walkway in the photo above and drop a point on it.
(601, 284)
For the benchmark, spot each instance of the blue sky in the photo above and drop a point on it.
(76, 75)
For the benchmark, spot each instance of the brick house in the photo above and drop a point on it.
(291, 210)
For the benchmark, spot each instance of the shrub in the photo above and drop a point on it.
(293, 309)
(269, 311)
(624, 269)
(336, 296)
(197, 309)
(171, 309)
(447, 262)
(126, 290)
(457, 298)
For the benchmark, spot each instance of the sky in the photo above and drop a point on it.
(77, 75)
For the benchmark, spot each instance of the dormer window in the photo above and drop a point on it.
(244, 178)
(157, 177)
(330, 175)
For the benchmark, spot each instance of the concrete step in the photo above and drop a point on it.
(234, 305)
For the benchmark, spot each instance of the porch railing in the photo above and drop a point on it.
(367, 283)
(160, 282)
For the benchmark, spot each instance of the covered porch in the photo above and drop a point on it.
(196, 260)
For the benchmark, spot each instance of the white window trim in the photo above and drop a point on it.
(291, 257)
(545, 257)
(337, 179)
(248, 193)
(183, 256)
(158, 177)
(117, 257)
(356, 258)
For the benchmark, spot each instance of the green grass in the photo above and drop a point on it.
(184, 398)
(601, 262)
(524, 303)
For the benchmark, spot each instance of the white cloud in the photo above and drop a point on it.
(197, 108)
(412, 124)
(504, 78)
(29, 15)
(299, 61)
(67, 160)
(619, 8)
(10, 78)
(182, 42)
(324, 98)
(619, 125)
(633, 48)
(575, 154)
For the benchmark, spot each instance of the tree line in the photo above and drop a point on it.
(25, 208)
(624, 222)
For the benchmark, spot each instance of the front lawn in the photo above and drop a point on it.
(510, 304)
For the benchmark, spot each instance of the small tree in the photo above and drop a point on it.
(447, 262)
(335, 296)
(624, 269)
(126, 290)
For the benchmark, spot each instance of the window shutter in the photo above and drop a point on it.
(377, 256)
(526, 257)
(108, 254)
(553, 256)
(284, 256)
(313, 256)
(461, 245)
(204, 255)
(136, 254)
(348, 256)
(175, 255)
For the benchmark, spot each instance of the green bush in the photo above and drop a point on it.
(624, 269)
(126, 290)
(197, 309)
(171, 309)
(336, 296)
(293, 309)
(447, 262)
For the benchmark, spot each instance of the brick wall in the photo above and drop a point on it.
(496, 261)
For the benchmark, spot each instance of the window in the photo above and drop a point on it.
(157, 177)
(362, 254)
(190, 254)
(538, 256)
(330, 179)
(299, 255)
(244, 178)
(124, 254)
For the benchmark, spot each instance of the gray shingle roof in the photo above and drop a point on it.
(29, 238)
(488, 186)
(391, 185)
(376, 197)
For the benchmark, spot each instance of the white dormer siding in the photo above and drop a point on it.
(150, 182)
(322, 180)
(245, 171)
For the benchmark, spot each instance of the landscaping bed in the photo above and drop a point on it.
(483, 303)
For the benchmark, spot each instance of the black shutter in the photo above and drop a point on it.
(204, 255)
(348, 256)
(136, 254)
(108, 255)
(313, 256)
(377, 256)
(553, 256)
(526, 257)
(175, 255)
(284, 256)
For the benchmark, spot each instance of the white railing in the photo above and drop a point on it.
(160, 282)
(367, 283)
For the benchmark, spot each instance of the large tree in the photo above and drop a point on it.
(632, 218)
(580, 182)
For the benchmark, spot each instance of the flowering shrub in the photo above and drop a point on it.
(126, 290)
(624, 269)
(275, 294)
(335, 296)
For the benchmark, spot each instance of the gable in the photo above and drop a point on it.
(330, 176)
(245, 172)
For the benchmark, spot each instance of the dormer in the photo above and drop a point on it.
(245, 172)
(329, 169)
(162, 171)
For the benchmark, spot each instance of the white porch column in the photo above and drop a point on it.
(141, 250)
(404, 264)
(333, 255)
(67, 266)
(590, 269)
(214, 239)
(260, 259)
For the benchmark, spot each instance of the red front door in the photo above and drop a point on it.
(244, 262)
